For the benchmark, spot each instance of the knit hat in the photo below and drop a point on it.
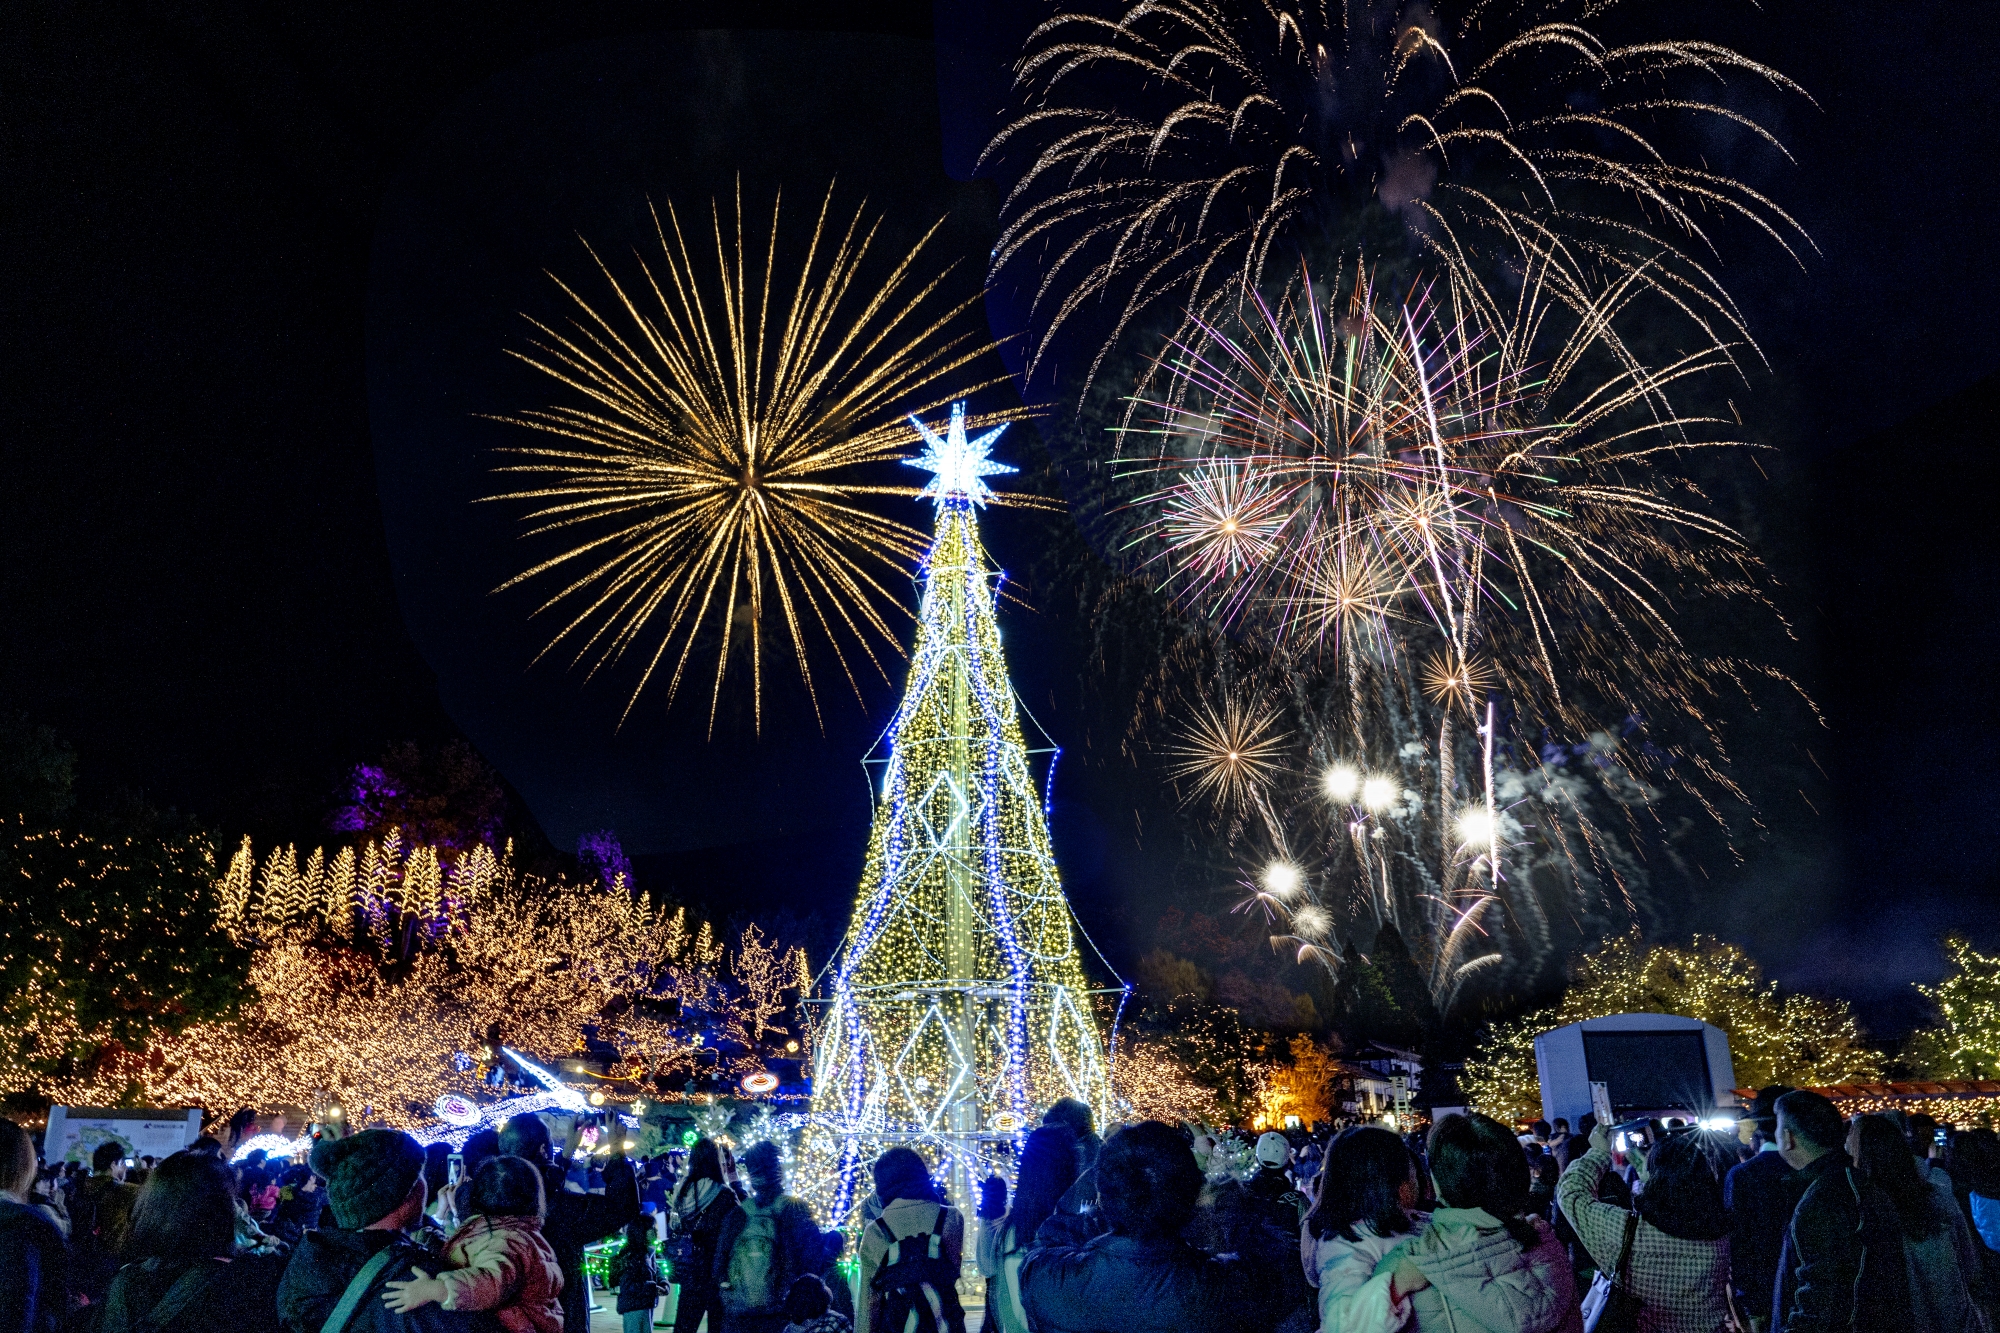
(367, 1174)
(1273, 1150)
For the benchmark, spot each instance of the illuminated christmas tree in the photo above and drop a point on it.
(959, 1006)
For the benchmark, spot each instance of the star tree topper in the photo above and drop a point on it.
(960, 464)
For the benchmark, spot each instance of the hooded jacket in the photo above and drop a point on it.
(327, 1260)
(1482, 1281)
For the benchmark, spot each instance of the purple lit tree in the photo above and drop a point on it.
(600, 854)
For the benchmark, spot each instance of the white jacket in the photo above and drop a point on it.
(1353, 1298)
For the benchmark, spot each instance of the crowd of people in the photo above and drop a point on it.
(1805, 1221)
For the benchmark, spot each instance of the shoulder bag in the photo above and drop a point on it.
(1611, 1306)
(336, 1322)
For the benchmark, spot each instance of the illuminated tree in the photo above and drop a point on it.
(536, 962)
(1966, 1041)
(1209, 1046)
(959, 1005)
(1302, 1088)
(1773, 1038)
(105, 944)
(763, 975)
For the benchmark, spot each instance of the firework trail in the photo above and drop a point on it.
(710, 464)
(1167, 149)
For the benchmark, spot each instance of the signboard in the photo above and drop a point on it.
(1600, 1105)
(75, 1132)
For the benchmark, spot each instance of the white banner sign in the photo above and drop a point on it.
(75, 1132)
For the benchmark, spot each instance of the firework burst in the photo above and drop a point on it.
(1430, 492)
(1230, 755)
(1167, 147)
(709, 471)
(1467, 546)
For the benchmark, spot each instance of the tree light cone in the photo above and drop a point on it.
(958, 1008)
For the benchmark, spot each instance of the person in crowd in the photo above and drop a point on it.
(1842, 1262)
(701, 1204)
(1272, 1185)
(100, 1223)
(300, 1203)
(1974, 1163)
(258, 1188)
(375, 1190)
(497, 1260)
(1076, 1117)
(637, 1276)
(1942, 1265)
(1046, 1170)
(1140, 1276)
(1482, 1262)
(34, 1261)
(1679, 1267)
(1366, 1206)
(911, 1253)
(809, 1308)
(185, 1274)
(1921, 1133)
(574, 1220)
(1759, 1196)
(208, 1145)
(763, 1247)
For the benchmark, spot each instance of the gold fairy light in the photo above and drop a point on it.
(711, 465)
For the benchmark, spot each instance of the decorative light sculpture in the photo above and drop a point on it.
(959, 1008)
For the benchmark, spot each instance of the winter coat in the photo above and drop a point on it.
(1481, 1281)
(636, 1275)
(905, 1217)
(797, 1246)
(504, 1265)
(238, 1294)
(1944, 1272)
(1125, 1284)
(1682, 1284)
(577, 1220)
(1759, 1195)
(1274, 1189)
(34, 1271)
(100, 1225)
(1353, 1297)
(327, 1260)
(1842, 1264)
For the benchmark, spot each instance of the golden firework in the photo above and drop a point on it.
(1450, 678)
(1230, 754)
(711, 467)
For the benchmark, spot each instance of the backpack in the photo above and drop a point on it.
(750, 1281)
(918, 1286)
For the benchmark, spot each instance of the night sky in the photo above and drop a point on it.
(261, 264)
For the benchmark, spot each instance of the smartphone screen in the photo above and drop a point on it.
(454, 1169)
